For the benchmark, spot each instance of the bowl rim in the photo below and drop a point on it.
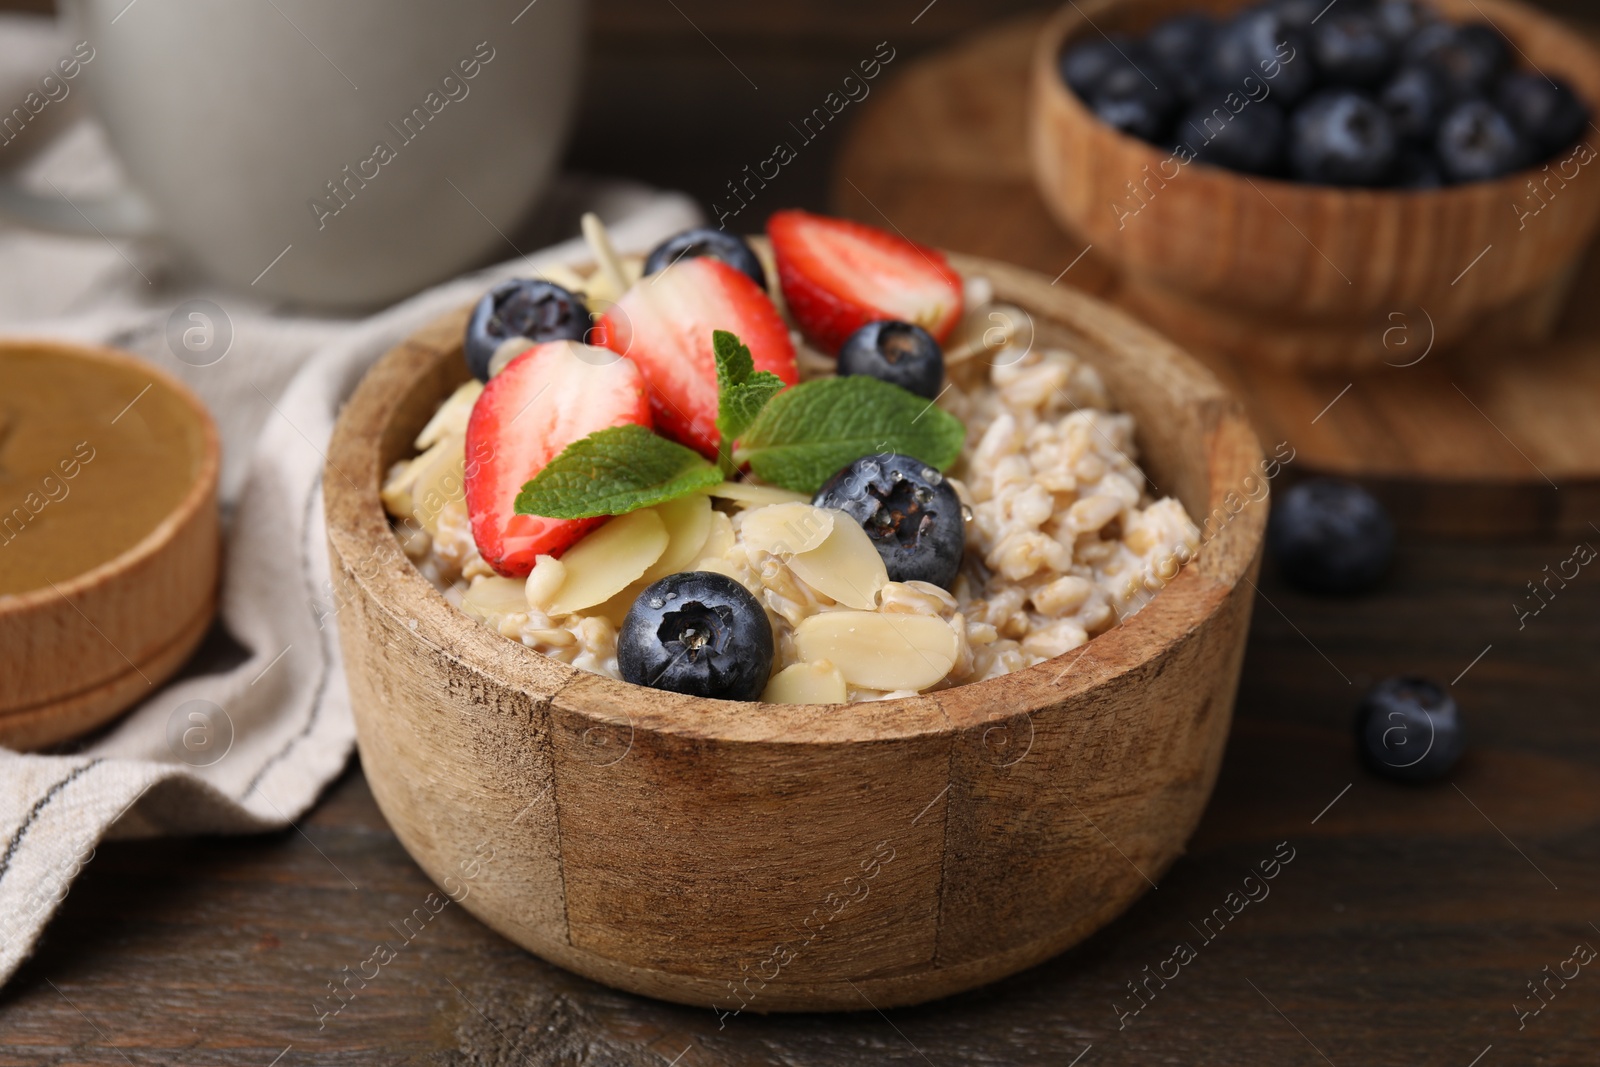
(194, 499)
(359, 529)
(1046, 79)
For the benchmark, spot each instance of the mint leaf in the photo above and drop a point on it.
(742, 391)
(734, 362)
(612, 472)
(806, 434)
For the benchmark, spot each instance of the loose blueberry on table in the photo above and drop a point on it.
(1409, 730)
(1376, 93)
(1331, 536)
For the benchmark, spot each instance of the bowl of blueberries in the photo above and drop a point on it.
(1289, 179)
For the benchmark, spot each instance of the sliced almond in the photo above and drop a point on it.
(451, 418)
(545, 581)
(845, 566)
(440, 482)
(688, 523)
(615, 610)
(506, 351)
(754, 495)
(786, 529)
(609, 560)
(806, 683)
(396, 491)
(988, 329)
(719, 542)
(877, 651)
(611, 271)
(494, 598)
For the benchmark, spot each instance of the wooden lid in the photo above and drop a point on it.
(108, 534)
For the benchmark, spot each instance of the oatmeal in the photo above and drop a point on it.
(1062, 539)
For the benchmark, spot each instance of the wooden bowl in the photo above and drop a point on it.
(786, 858)
(1308, 276)
(108, 535)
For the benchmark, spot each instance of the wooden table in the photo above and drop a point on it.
(1404, 931)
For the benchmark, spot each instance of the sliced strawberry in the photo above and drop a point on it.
(545, 399)
(664, 324)
(838, 275)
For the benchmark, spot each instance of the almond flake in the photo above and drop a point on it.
(719, 542)
(786, 529)
(494, 598)
(438, 479)
(845, 566)
(754, 495)
(688, 523)
(451, 418)
(609, 560)
(806, 683)
(876, 651)
(612, 279)
(506, 351)
(545, 581)
(988, 329)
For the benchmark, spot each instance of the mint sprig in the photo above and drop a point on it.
(806, 434)
(742, 391)
(615, 471)
(796, 437)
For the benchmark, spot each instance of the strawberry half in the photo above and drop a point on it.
(545, 399)
(664, 324)
(838, 275)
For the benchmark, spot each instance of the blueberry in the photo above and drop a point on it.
(699, 633)
(1183, 44)
(909, 511)
(1342, 137)
(522, 307)
(1417, 170)
(1350, 48)
(1415, 99)
(1138, 98)
(1331, 536)
(1262, 46)
(1410, 730)
(895, 352)
(1476, 142)
(704, 241)
(1468, 57)
(1297, 14)
(1546, 111)
(1401, 20)
(1251, 141)
(1086, 63)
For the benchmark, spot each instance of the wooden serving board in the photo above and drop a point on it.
(1487, 441)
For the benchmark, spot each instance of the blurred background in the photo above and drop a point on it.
(1412, 922)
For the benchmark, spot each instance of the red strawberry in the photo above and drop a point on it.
(664, 324)
(545, 399)
(838, 275)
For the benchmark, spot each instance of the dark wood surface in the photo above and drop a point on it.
(1403, 932)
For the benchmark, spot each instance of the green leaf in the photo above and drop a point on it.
(806, 434)
(612, 472)
(742, 391)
